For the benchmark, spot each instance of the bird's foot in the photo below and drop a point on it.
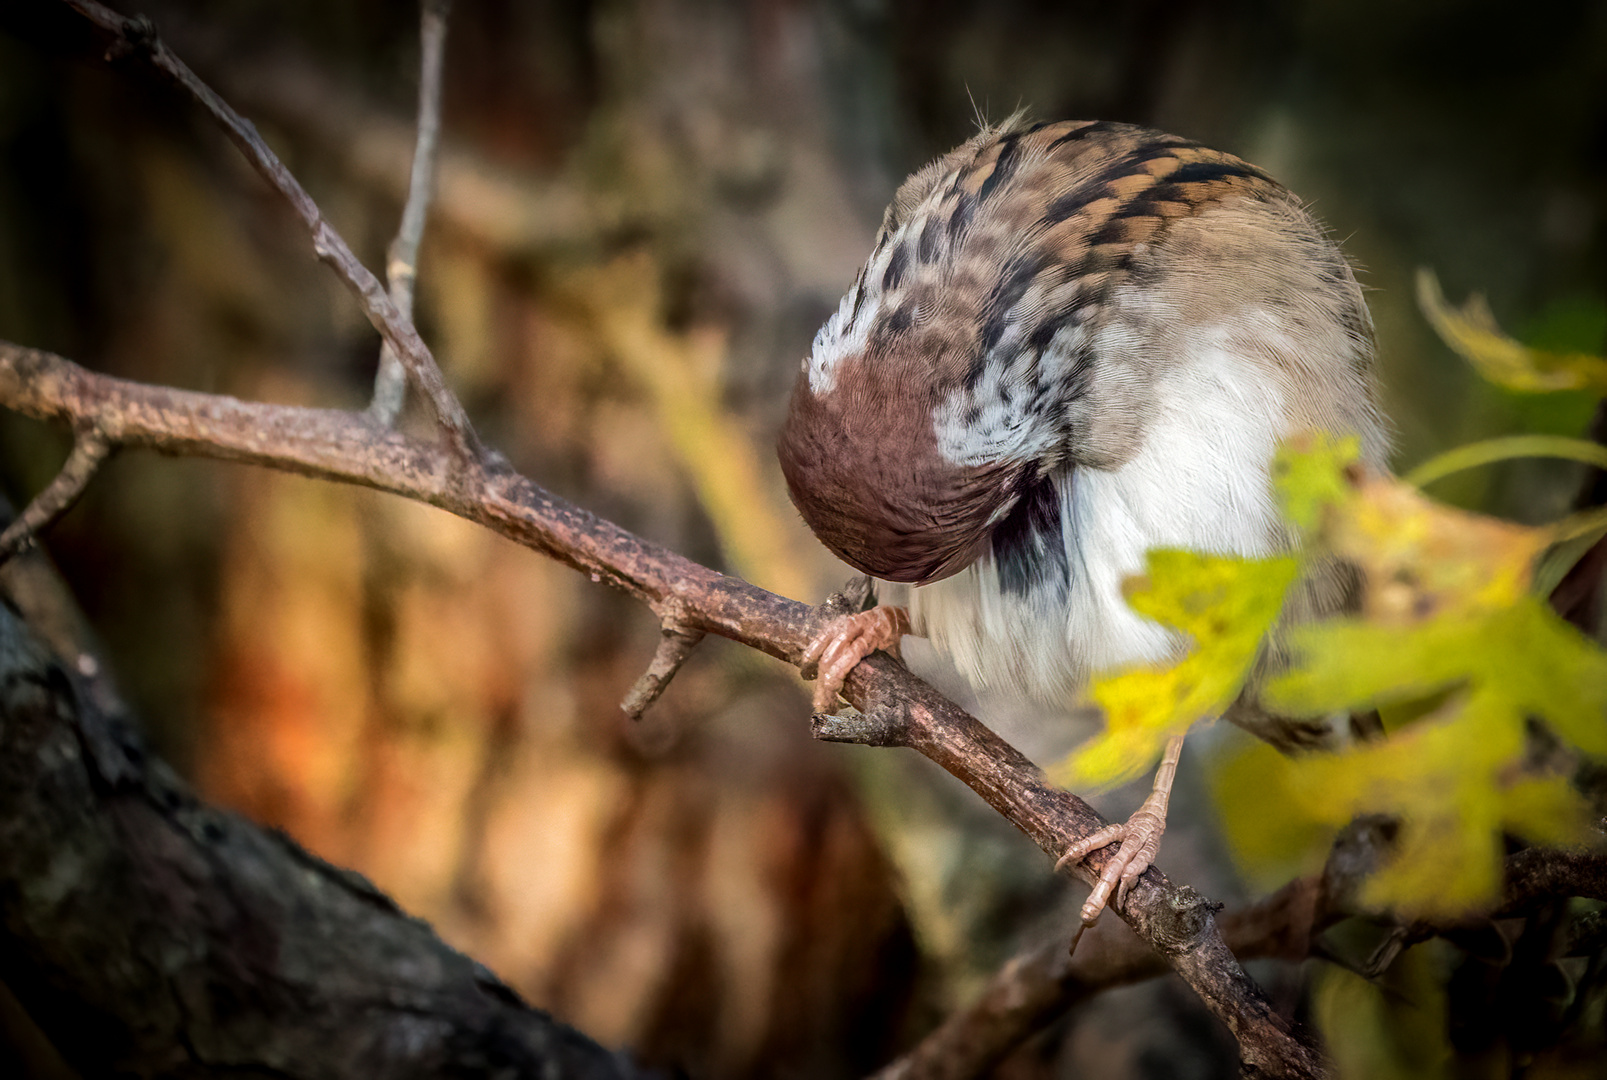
(1140, 838)
(847, 640)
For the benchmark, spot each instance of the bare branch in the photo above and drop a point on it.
(401, 267)
(865, 729)
(89, 451)
(1535, 875)
(136, 38)
(1040, 984)
(675, 644)
(1177, 922)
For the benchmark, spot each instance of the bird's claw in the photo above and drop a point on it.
(1140, 838)
(844, 642)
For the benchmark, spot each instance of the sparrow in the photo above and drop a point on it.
(1073, 342)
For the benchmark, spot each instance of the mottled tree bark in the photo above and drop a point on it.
(147, 933)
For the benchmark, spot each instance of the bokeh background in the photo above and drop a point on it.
(645, 210)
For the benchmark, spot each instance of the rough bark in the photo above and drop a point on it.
(147, 933)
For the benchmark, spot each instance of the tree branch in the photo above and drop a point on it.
(89, 450)
(401, 266)
(675, 644)
(350, 447)
(136, 39)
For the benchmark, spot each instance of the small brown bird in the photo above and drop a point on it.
(1072, 343)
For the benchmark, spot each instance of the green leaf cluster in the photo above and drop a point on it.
(1458, 651)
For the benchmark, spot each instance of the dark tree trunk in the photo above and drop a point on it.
(147, 933)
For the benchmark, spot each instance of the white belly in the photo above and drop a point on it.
(1199, 480)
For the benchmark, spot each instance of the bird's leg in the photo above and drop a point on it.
(847, 640)
(1140, 837)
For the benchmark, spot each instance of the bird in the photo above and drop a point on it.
(1072, 342)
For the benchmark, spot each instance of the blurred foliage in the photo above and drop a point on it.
(1449, 634)
(1491, 703)
(1392, 1029)
(1472, 332)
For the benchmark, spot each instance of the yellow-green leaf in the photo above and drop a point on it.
(1452, 643)
(1420, 558)
(1472, 332)
(1253, 788)
(1226, 605)
(1389, 1029)
(1445, 779)
(1309, 472)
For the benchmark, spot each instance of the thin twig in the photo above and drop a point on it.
(401, 265)
(335, 445)
(136, 38)
(862, 729)
(675, 644)
(90, 449)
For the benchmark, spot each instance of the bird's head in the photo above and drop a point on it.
(865, 469)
